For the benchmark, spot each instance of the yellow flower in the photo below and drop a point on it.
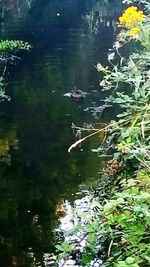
(134, 31)
(131, 17)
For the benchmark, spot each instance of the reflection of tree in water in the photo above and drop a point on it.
(41, 173)
(15, 8)
(8, 140)
(15, 14)
(29, 209)
(102, 13)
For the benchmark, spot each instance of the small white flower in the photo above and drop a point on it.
(127, 2)
(111, 56)
(117, 45)
(103, 83)
(99, 67)
(148, 73)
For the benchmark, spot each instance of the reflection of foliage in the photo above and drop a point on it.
(8, 141)
(2, 90)
(4, 151)
(17, 8)
(102, 13)
(44, 172)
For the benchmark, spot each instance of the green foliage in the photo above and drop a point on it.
(13, 45)
(129, 82)
(120, 226)
(65, 249)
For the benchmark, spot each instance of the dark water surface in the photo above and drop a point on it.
(36, 172)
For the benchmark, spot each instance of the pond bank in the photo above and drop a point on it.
(120, 225)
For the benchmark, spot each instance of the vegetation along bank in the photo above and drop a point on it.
(117, 229)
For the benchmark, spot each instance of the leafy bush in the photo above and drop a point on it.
(13, 45)
(120, 227)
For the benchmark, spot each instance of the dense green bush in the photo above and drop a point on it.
(13, 45)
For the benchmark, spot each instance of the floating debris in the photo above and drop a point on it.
(76, 94)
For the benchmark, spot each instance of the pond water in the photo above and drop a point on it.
(37, 173)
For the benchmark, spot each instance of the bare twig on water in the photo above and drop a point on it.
(110, 246)
(4, 71)
(83, 129)
(74, 145)
(142, 128)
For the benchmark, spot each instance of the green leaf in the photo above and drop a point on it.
(147, 258)
(59, 247)
(65, 245)
(89, 229)
(86, 259)
(130, 260)
(134, 265)
(129, 140)
(121, 264)
(91, 238)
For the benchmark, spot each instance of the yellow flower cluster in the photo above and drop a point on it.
(131, 17)
(134, 31)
